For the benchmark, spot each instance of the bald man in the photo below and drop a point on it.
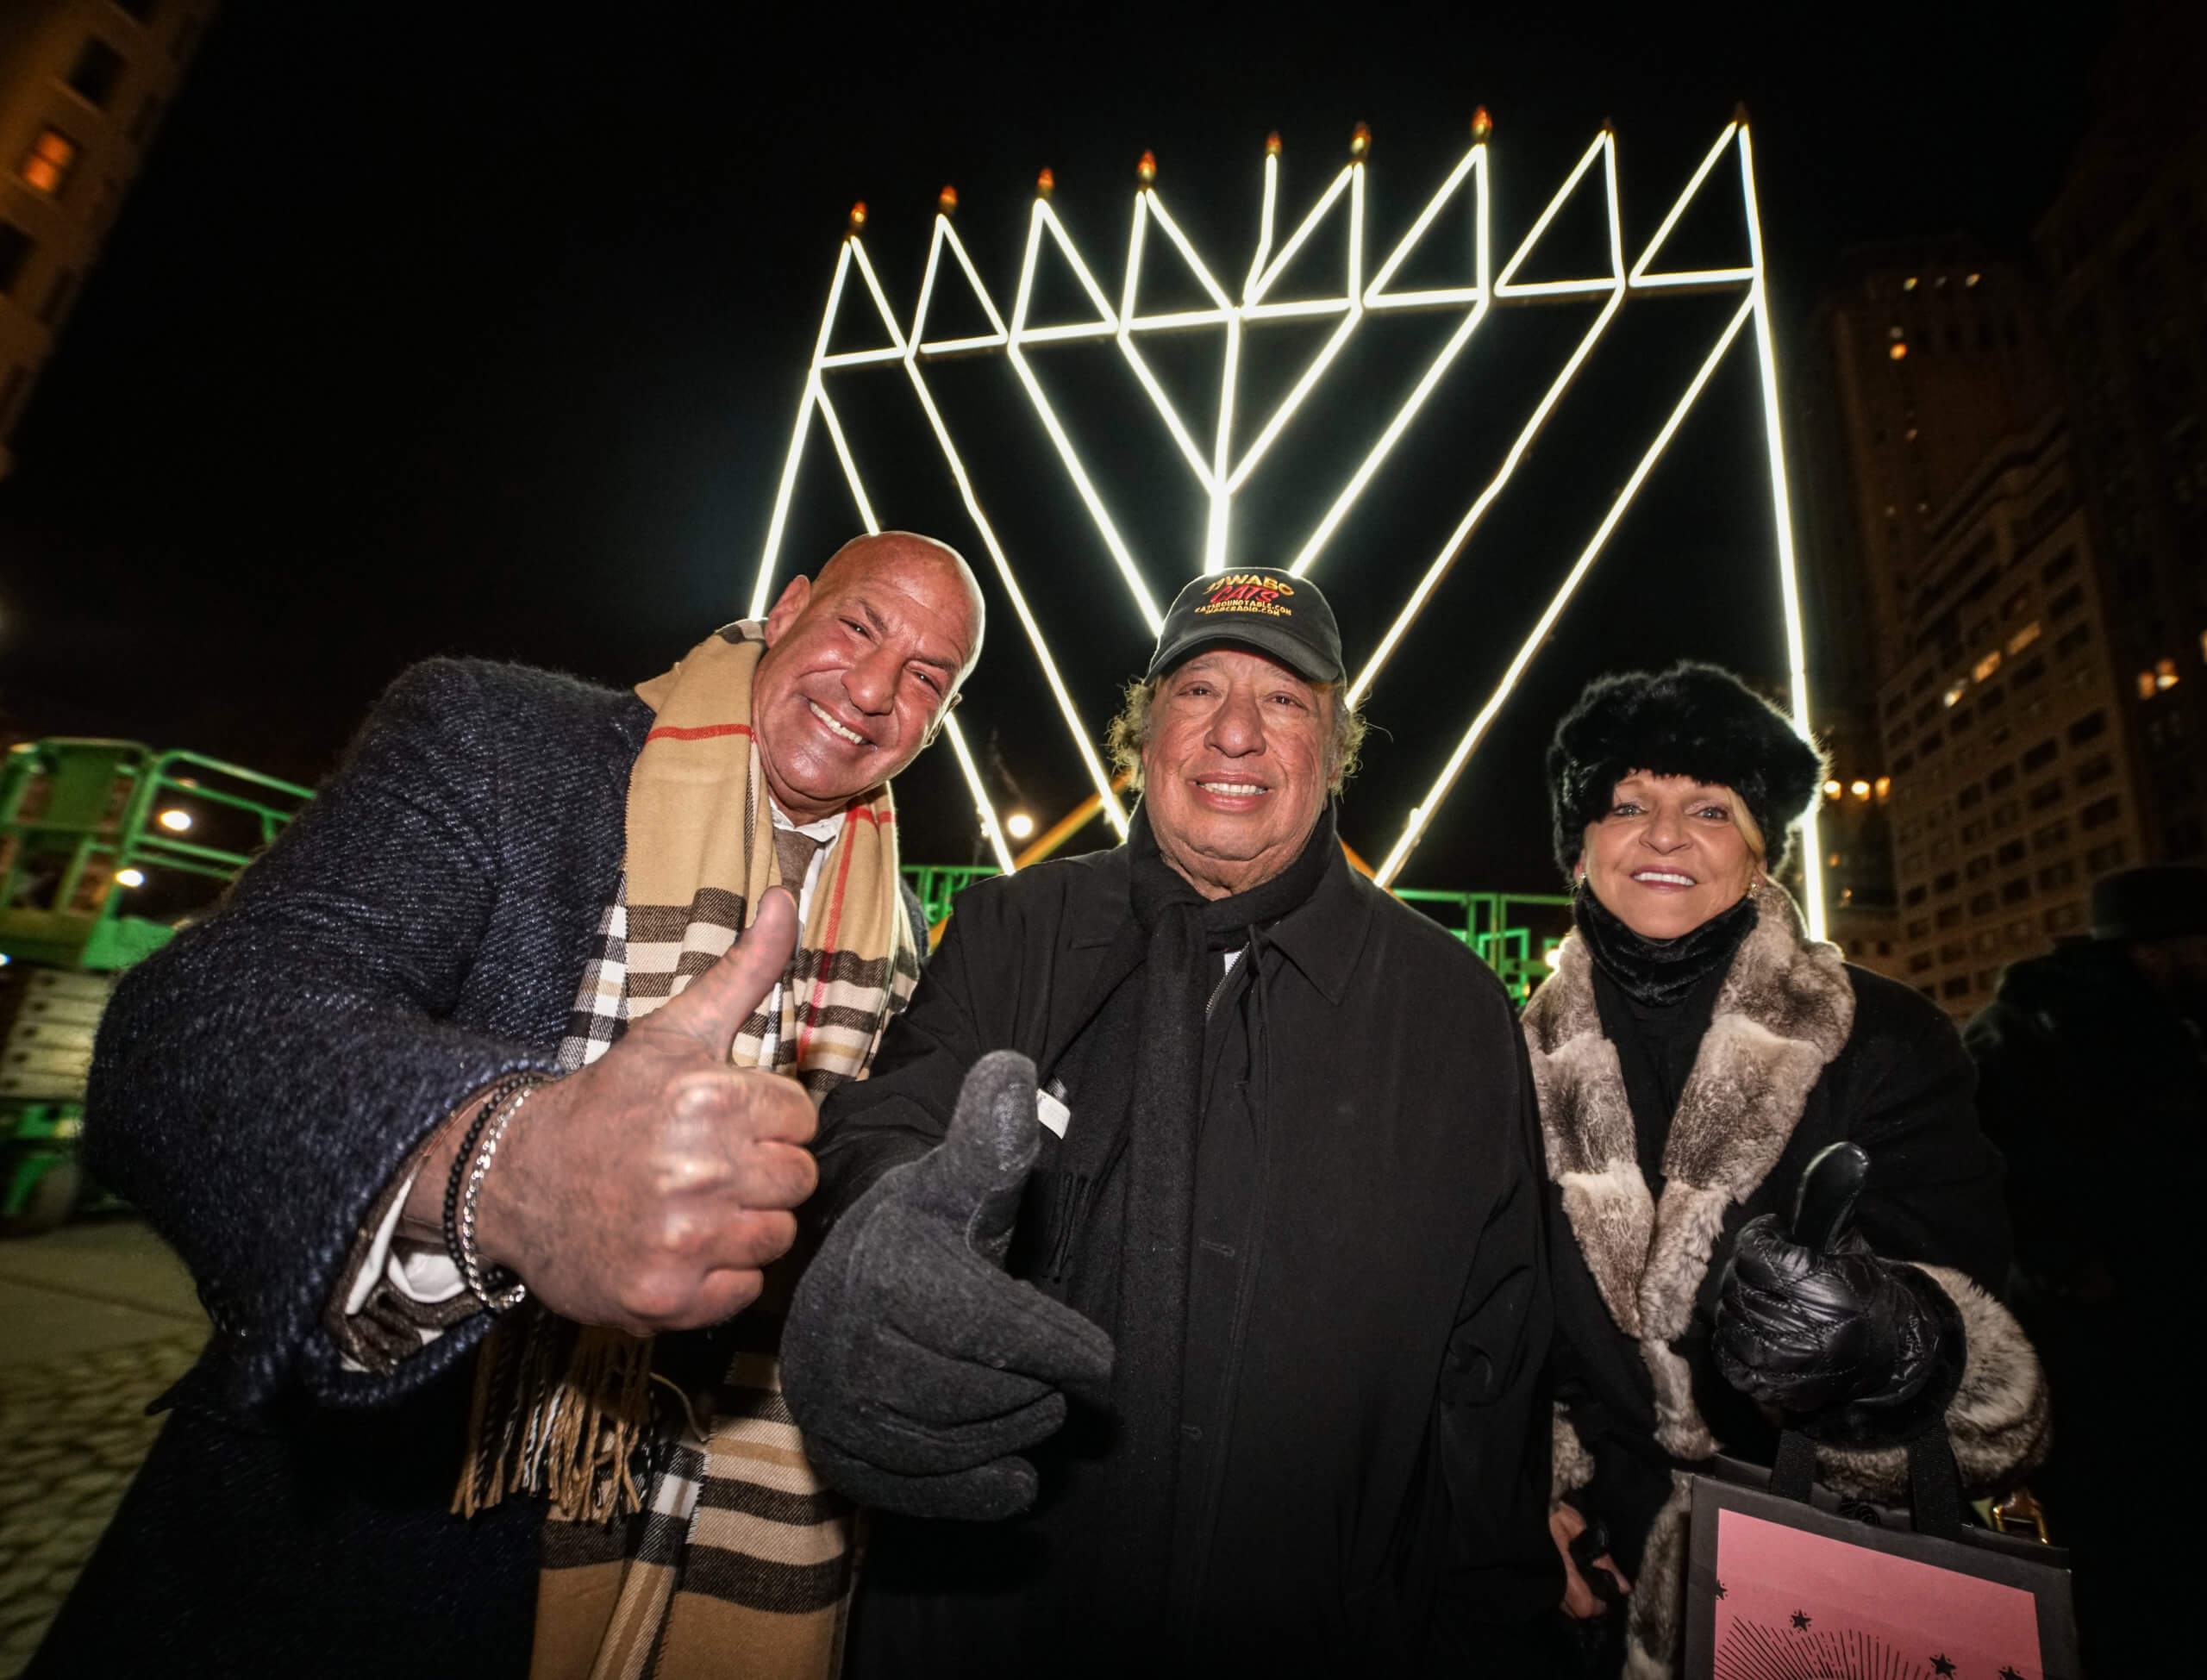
(480, 1100)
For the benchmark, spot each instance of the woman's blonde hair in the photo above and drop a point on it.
(1750, 830)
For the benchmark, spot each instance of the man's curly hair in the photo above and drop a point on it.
(1129, 732)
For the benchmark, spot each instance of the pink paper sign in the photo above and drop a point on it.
(1794, 1606)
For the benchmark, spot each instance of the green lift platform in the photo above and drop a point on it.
(90, 830)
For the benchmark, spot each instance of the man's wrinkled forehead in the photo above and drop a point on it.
(906, 581)
(1223, 658)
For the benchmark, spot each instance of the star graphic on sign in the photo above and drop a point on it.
(1720, 1590)
(2010, 1674)
(1801, 1619)
(1942, 1664)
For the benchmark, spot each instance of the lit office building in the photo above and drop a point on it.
(2125, 245)
(83, 86)
(2004, 726)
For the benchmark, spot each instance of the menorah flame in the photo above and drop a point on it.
(1223, 475)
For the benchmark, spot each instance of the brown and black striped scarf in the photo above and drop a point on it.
(687, 1532)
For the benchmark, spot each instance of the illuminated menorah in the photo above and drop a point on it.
(1222, 475)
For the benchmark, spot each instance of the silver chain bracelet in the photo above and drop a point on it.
(489, 1285)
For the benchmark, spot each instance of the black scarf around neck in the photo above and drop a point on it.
(1184, 932)
(1658, 973)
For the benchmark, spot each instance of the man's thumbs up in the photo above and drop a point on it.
(917, 1369)
(650, 1189)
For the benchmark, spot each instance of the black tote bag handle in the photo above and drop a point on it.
(1934, 1481)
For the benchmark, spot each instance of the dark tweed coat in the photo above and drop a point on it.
(421, 928)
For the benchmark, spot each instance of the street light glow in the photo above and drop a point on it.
(176, 821)
(130, 877)
(1019, 825)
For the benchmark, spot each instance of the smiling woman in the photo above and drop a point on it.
(1693, 1053)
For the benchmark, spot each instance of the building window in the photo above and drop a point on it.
(15, 248)
(2095, 770)
(2054, 833)
(2072, 640)
(2065, 602)
(1915, 896)
(2045, 794)
(2062, 917)
(2019, 932)
(2004, 814)
(2029, 673)
(49, 163)
(1956, 987)
(1919, 929)
(2060, 567)
(1985, 667)
(2012, 852)
(2091, 724)
(1980, 903)
(2100, 812)
(99, 68)
(2042, 755)
(2022, 638)
(1918, 962)
(2056, 875)
(1978, 867)
(2015, 891)
(2003, 777)
(1945, 883)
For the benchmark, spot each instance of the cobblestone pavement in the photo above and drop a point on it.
(73, 1431)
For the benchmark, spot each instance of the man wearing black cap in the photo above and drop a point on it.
(1182, 1298)
(2092, 1079)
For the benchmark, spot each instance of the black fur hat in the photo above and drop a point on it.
(1692, 719)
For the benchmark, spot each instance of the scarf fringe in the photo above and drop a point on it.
(575, 1408)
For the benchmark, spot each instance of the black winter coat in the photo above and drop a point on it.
(420, 929)
(1370, 1475)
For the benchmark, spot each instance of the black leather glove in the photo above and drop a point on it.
(916, 1367)
(1815, 1322)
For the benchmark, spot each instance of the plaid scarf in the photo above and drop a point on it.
(687, 1533)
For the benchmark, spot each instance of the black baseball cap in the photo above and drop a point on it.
(1262, 608)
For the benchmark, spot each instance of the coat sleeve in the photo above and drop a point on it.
(1935, 1199)
(902, 1108)
(1494, 1416)
(259, 1083)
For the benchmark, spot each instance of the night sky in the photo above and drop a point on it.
(451, 329)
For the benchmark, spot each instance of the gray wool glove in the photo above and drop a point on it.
(916, 1367)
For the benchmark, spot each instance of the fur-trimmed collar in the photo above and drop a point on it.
(1784, 1011)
